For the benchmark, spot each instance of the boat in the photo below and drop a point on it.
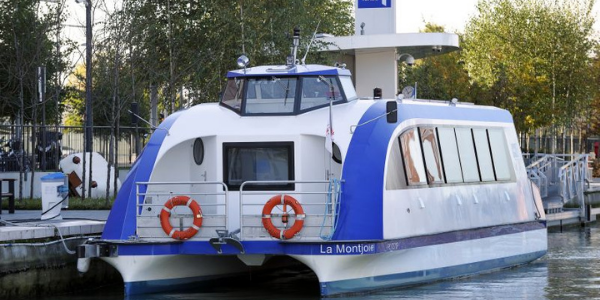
(369, 194)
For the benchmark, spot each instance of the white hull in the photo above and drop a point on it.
(157, 273)
(343, 273)
(355, 273)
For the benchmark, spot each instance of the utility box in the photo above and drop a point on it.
(55, 195)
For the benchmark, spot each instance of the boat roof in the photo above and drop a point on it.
(283, 70)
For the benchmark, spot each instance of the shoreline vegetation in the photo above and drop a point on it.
(74, 204)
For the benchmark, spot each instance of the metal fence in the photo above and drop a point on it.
(17, 141)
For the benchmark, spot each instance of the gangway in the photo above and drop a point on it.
(564, 183)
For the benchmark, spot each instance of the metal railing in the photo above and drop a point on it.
(320, 207)
(565, 172)
(540, 171)
(150, 199)
(572, 176)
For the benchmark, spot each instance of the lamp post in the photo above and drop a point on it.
(89, 118)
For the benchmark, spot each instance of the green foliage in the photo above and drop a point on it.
(533, 56)
(25, 44)
(189, 46)
(74, 204)
(442, 77)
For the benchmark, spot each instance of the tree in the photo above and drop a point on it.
(26, 42)
(185, 48)
(442, 77)
(534, 56)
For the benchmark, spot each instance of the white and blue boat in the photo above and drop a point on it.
(367, 193)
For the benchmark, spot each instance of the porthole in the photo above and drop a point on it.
(198, 151)
(337, 154)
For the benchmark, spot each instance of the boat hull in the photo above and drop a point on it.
(146, 274)
(344, 268)
(343, 274)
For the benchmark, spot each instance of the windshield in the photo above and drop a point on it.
(270, 95)
(285, 95)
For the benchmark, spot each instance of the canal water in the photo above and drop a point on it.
(570, 270)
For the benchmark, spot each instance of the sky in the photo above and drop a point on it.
(452, 14)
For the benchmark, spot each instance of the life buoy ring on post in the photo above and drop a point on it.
(283, 234)
(166, 213)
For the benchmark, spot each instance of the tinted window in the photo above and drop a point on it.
(348, 88)
(198, 151)
(502, 162)
(466, 151)
(431, 153)
(270, 95)
(232, 96)
(318, 93)
(413, 157)
(450, 158)
(395, 172)
(486, 168)
(258, 162)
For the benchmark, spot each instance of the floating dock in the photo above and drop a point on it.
(38, 257)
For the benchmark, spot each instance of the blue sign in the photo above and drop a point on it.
(374, 3)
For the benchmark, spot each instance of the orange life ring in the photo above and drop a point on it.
(283, 234)
(166, 213)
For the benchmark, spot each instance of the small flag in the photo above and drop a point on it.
(329, 136)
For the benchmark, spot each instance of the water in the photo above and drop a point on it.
(570, 270)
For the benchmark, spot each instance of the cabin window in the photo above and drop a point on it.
(270, 95)
(484, 157)
(348, 87)
(450, 158)
(258, 162)
(466, 152)
(502, 162)
(318, 93)
(431, 153)
(198, 151)
(232, 96)
(413, 157)
(395, 174)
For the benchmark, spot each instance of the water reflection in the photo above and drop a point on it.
(570, 270)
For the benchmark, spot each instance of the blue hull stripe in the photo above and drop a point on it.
(423, 276)
(330, 247)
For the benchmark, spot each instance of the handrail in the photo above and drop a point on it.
(141, 200)
(327, 218)
(572, 177)
(567, 171)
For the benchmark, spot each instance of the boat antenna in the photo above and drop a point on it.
(144, 120)
(310, 44)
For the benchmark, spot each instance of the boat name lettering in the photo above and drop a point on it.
(347, 249)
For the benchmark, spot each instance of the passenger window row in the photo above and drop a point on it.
(447, 155)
